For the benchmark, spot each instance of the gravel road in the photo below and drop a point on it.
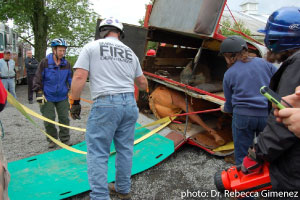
(189, 171)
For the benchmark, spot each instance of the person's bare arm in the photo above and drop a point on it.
(78, 82)
(141, 82)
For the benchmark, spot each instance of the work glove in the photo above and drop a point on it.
(251, 164)
(75, 108)
(40, 97)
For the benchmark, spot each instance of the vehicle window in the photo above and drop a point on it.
(1, 42)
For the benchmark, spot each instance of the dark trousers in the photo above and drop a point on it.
(244, 129)
(62, 110)
(30, 84)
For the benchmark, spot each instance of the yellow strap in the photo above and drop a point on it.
(160, 121)
(32, 113)
(152, 132)
(24, 110)
(228, 146)
(19, 107)
(149, 134)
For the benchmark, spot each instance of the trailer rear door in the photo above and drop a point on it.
(190, 17)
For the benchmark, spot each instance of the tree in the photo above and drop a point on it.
(239, 26)
(40, 21)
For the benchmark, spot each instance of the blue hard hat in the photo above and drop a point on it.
(283, 30)
(59, 42)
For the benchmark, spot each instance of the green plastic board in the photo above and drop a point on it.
(60, 174)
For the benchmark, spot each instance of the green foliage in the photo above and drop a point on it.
(152, 45)
(239, 26)
(72, 59)
(72, 20)
(40, 21)
(141, 22)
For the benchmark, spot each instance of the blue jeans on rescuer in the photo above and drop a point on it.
(112, 118)
(244, 129)
(10, 85)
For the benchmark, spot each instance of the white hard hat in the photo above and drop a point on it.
(111, 22)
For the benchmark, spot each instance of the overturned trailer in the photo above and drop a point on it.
(187, 63)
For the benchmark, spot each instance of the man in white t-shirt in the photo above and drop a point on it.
(113, 68)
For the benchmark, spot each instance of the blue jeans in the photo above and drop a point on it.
(244, 129)
(112, 117)
(10, 85)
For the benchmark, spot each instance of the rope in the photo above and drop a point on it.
(234, 18)
(197, 112)
(243, 34)
(240, 31)
(187, 117)
(88, 101)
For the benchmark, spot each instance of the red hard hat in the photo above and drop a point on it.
(151, 52)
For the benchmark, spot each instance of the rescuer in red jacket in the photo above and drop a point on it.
(4, 175)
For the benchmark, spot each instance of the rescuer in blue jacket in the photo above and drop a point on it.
(51, 84)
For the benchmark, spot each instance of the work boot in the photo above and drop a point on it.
(112, 191)
(67, 142)
(51, 145)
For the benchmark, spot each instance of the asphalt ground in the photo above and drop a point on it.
(186, 174)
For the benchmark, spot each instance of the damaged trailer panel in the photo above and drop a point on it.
(188, 62)
(195, 18)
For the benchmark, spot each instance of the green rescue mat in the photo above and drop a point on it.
(60, 174)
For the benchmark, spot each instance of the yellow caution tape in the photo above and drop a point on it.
(32, 113)
(19, 107)
(228, 146)
(25, 111)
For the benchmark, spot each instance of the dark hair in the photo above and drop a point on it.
(110, 29)
(243, 54)
(281, 56)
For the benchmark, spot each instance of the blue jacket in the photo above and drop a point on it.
(241, 84)
(54, 80)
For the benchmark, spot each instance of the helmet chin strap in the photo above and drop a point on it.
(56, 54)
(57, 59)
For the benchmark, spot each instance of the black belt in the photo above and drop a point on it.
(7, 77)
